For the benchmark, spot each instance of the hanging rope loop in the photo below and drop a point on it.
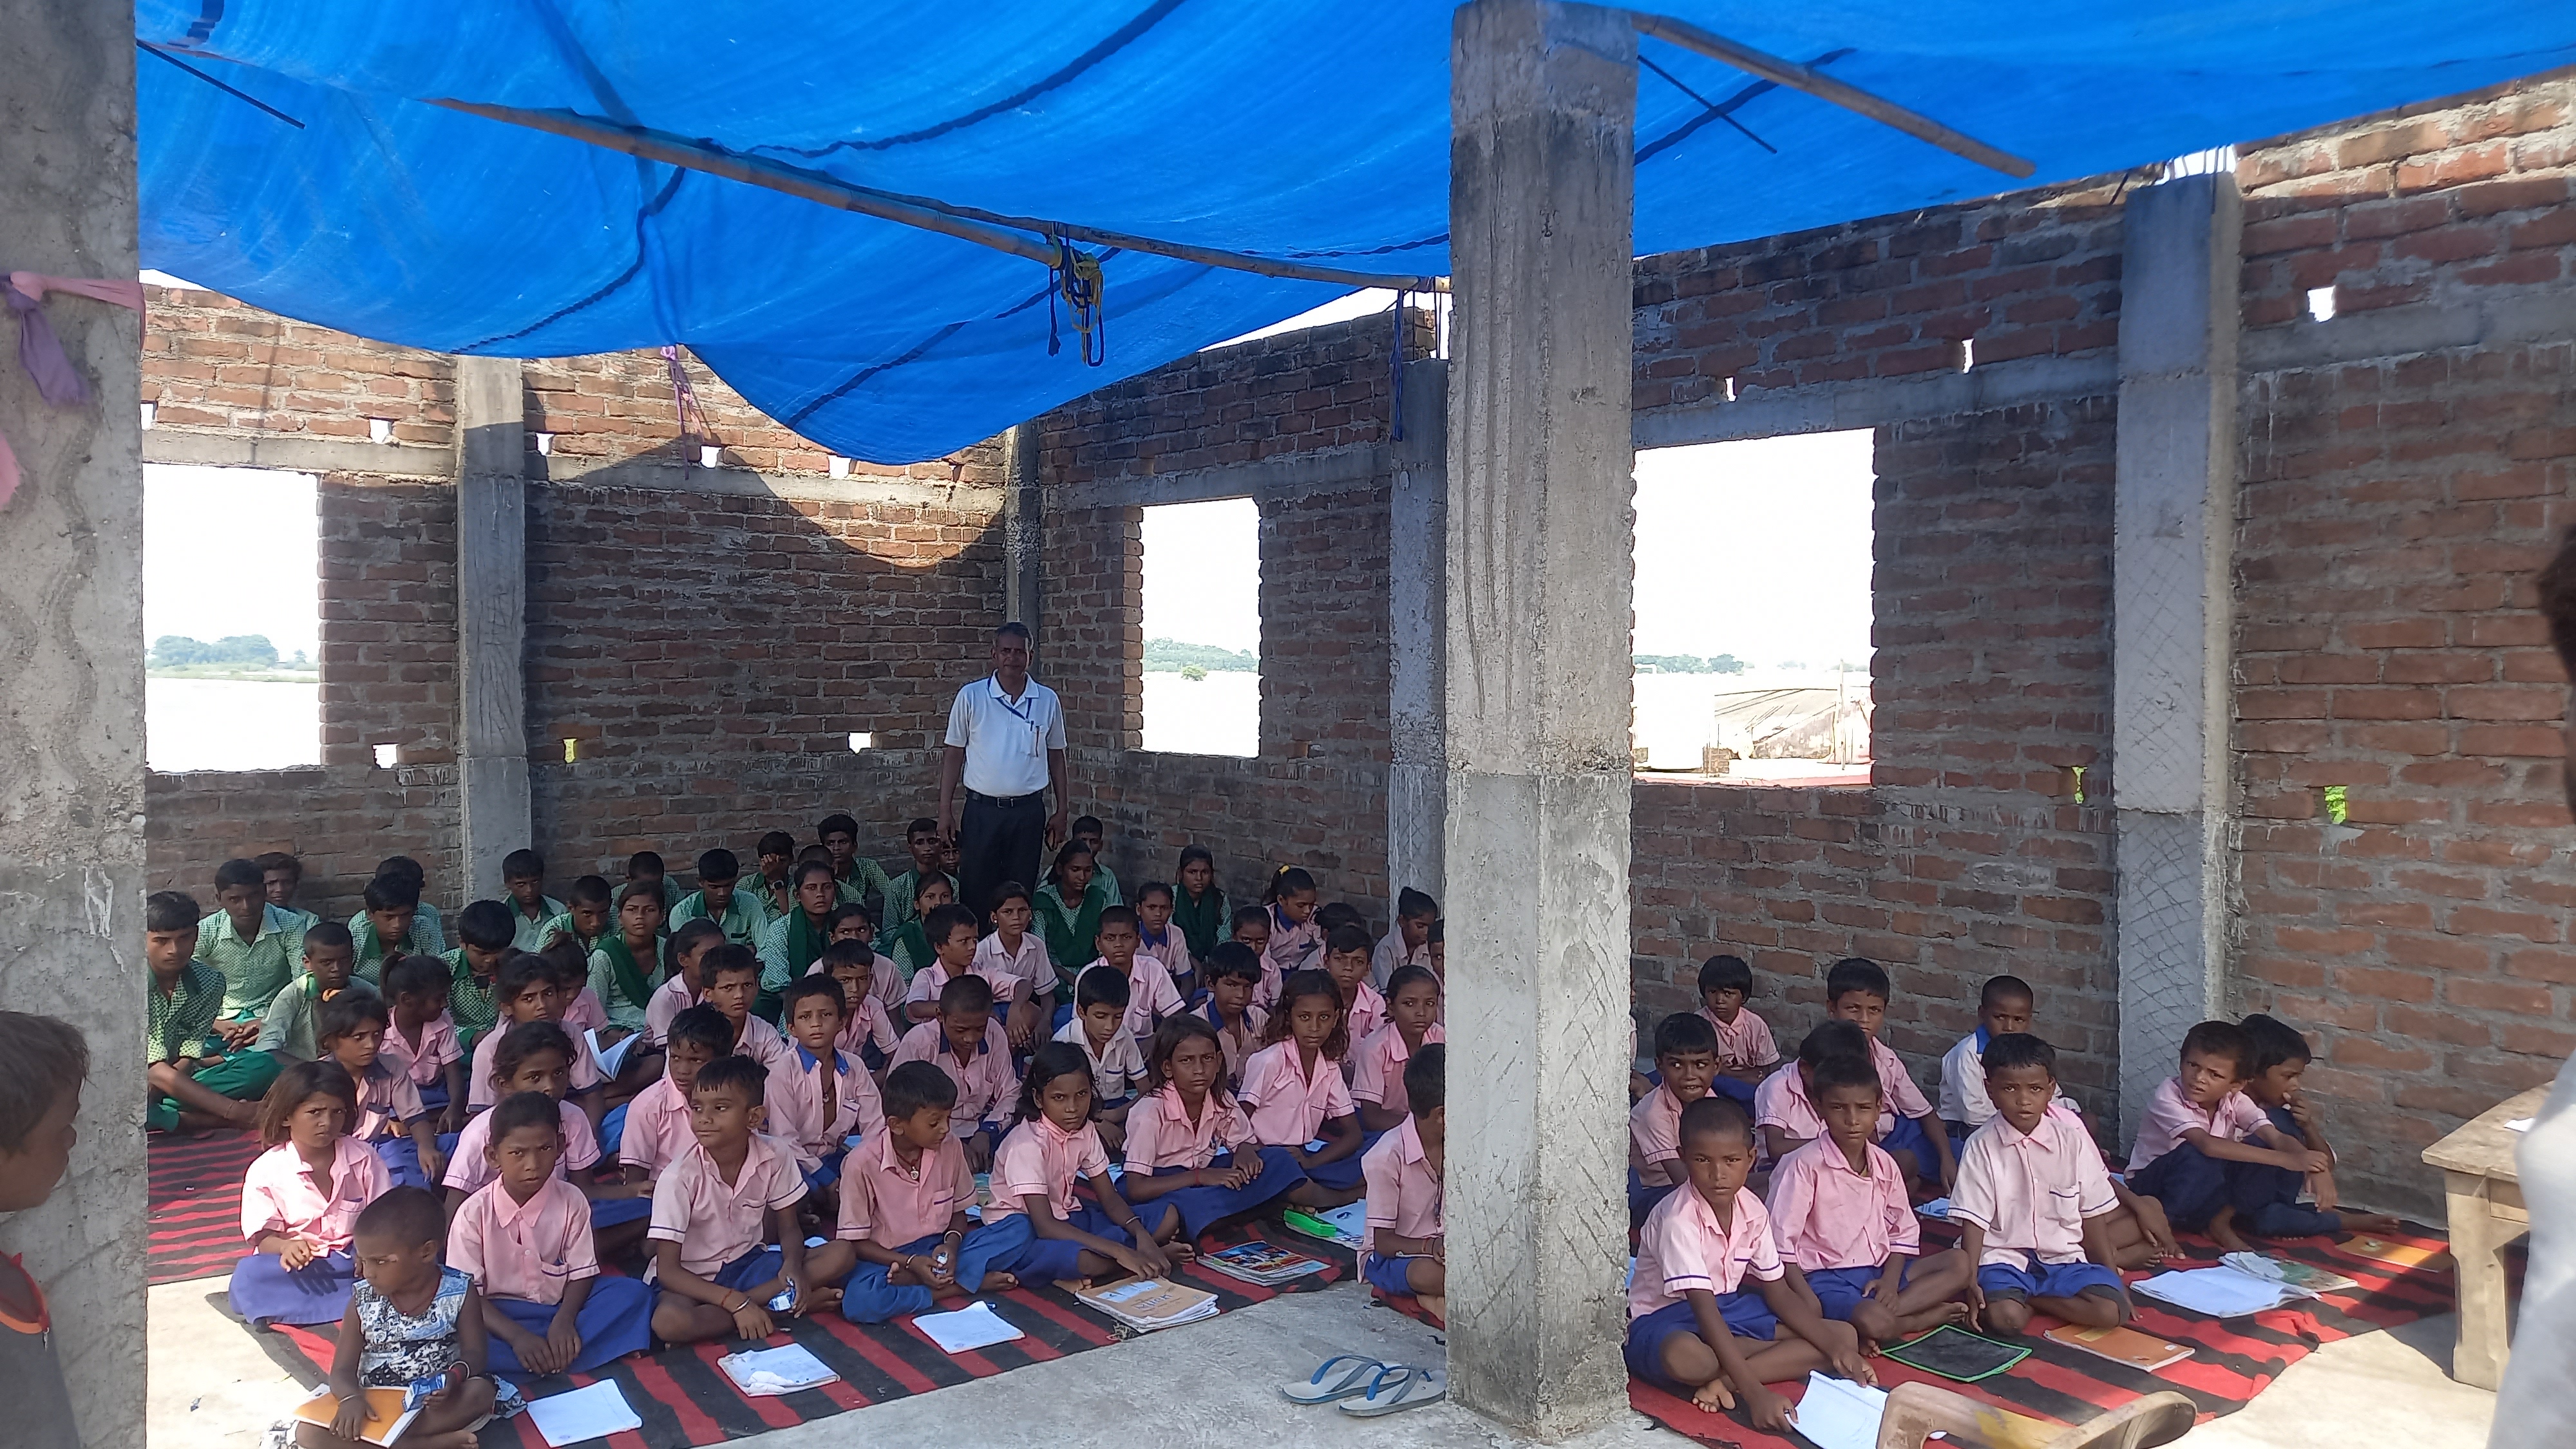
(1078, 279)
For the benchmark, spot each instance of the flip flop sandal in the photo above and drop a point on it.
(1398, 1387)
(1329, 1383)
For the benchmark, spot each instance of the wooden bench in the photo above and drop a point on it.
(2485, 1201)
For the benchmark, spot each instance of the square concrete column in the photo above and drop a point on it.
(1417, 784)
(71, 682)
(1023, 528)
(1542, 111)
(491, 617)
(2172, 618)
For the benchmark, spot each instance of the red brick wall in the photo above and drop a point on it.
(2394, 513)
(214, 365)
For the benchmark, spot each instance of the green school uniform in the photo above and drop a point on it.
(563, 926)
(743, 921)
(469, 1001)
(624, 984)
(288, 1030)
(426, 939)
(1203, 921)
(909, 948)
(867, 878)
(179, 1023)
(528, 933)
(1072, 935)
(900, 892)
(1106, 880)
(787, 947)
(255, 970)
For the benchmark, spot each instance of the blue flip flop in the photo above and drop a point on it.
(1329, 1384)
(1397, 1386)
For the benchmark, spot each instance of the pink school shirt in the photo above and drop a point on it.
(885, 981)
(868, 1026)
(1288, 1107)
(467, 1171)
(479, 1092)
(1291, 948)
(1027, 968)
(585, 1013)
(1377, 1075)
(1172, 950)
(1896, 1086)
(525, 1250)
(2031, 1194)
(715, 1221)
(2170, 1114)
(1683, 1246)
(1161, 1135)
(1239, 1042)
(800, 1115)
(884, 1202)
(1744, 1043)
(932, 979)
(1366, 1012)
(667, 1001)
(1040, 1157)
(1781, 1101)
(657, 1129)
(985, 1081)
(1655, 1138)
(424, 1060)
(279, 1195)
(1151, 995)
(1824, 1215)
(387, 1097)
(1403, 1193)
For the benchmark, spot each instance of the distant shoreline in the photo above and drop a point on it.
(236, 675)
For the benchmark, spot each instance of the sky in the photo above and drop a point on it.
(1759, 549)
(231, 551)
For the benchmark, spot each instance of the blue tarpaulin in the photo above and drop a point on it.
(1313, 129)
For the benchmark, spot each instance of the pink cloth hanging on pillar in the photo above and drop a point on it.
(41, 352)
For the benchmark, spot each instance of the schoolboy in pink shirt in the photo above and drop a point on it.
(1233, 972)
(1158, 938)
(868, 1032)
(1694, 1327)
(950, 931)
(903, 1236)
(967, 1044)
(713, 1207)
(1686, 1060)
(525, 1239)
(1856, 991)
(1409, 944)
(733, 981)
(819, 1097)
(1745, 1051)
(689, 946)
(1293, 942)
(2034, 1203)
(1839, 1211)
(1377, 1072)
(1346, 960)
(421, 1039)
(1294, 1093)
(1151, 996)
(1015, 951)
(657, 1130)
(2201, 1133)
(1404, 1247)
(1787, 1114)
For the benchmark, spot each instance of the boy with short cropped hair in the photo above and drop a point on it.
(192, 1078)
(428, 930)
(740, 914)
(587, 915)
(1404, 1241)
(1783, 1105)
(645, 868)
(1089, 830)
(1686, 1060)
(281, 875)
(1233, 973)
(713, 1207)
(1015, 951)
(531, 910)
(42, 1065)
(904, 1236)
(733, 982)
(421, 1039)
(387, 927)
(867, 1029)
(287, 1030)
(921, 841)
(1745, 1051)
(949, 932)
(2034, 1203)
(1857, 991)
(1409, 943)
(856, 878)
(256, 946)
(2005, 1006)
(655, 1128)
(1839, 1211)
(525, 1239)
(967, 1044)
(1099, 1027)
(2266, 1199)
(1151, 996)
(473, 969)
(2200, 1130)
(776, 856)
(1346, 960)
(819, 1095)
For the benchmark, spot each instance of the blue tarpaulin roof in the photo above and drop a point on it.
(1313, 129)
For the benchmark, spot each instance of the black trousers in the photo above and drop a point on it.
(998, 841)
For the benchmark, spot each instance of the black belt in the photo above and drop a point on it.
(1005, 802)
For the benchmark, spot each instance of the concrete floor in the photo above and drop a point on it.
(213, 1387)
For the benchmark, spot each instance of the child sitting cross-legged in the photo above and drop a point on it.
(1044, 1233)
(301, 1199)
(1857, 991)
(1294, 1091)
(969, 1045)
(1412, 1023)
(2005, 1006)
(1839, 1211)
(1694, 1326)
(2267, 1200)
(410, 1318)
(536, 1056)
(904, 1237)
(350, 1028)
(2034, 1202)
(1783, 1104)
(1188, 1143)
(820, 1097)
(1404, 1247)
(286, 1032)
(1100, 1030)
(525, 1239)
(2201, 1134)
(712, 1208)
(1686, 1059)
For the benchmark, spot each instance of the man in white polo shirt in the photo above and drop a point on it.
(1005, 746)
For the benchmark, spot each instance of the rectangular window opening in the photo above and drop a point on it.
(232, 618)
(1753, 610)
(1203, 628)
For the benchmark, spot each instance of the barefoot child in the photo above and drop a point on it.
(301, 1199)
(525, 1239)
(1294, 1092)
(712, 1208)
(1686, 1059)
(2034, 1204)
(819, 1096)
(1745, 1051)
(1099, 1030)
(1404, 1248)
(2267, 1200)
(967, 1044)
(904, 1238)
(1856, 991)
(408, 1319)
(1233, 972)
(1412, 1022)
(536, 1056)
(192, 1077)
(1346, 960)
(42, 1065)
(420, 1037)
(1189, 1144)
(1839, 1211)
(2201, 1133)
(1043, 1232)
(1694, 1327)
(1016, 952)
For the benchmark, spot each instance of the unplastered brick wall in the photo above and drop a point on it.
(2393, 512)
(213, 364)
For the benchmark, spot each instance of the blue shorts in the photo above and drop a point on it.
(2053, 1280)
(749, 1271)
(608, 1212)
(1016, 1248)
(1746, 1315)
(1841, 1290)
(1389, 1276)
(1908, 1135)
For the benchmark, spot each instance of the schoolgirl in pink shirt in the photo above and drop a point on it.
(1404, 1249)
(1296, 942)
(301, 1198)
(1189, 1144)
(1294, 1092)
(1051, 1146)
(525, 991)
(1377, 1070)
(421, 1038)
(689, 946)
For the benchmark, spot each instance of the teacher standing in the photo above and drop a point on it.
(1006, 747)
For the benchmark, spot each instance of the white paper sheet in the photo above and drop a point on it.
(594, 1412)
(2519, 1124)
(969, 1328)
(2218, 1292)
(768, 1372)
(612, 1057)
(1839, 1414)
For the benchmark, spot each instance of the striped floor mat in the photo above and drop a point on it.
(195, 1201)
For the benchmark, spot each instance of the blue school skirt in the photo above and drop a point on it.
(615, 1320)
(1202, 1207)
(401, 1157)
(1746, 1315)
(1018, 1250)
(263, 1292)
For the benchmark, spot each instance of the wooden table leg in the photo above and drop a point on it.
(2476, 1240)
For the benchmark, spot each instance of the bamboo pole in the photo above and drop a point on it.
(1020, 236)
(1825, 88)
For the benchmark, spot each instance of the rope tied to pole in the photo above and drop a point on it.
(1078, 280)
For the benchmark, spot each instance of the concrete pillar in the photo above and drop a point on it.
(1023, 528)
(1417, 612)
(71, 682)
(1542, 115)
(2172, 617)
(491, 617)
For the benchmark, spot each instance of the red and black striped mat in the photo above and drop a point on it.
(195, 1199)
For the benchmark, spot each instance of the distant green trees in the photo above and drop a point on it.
(1689, 664)
(1169, 655)
(234, 653)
